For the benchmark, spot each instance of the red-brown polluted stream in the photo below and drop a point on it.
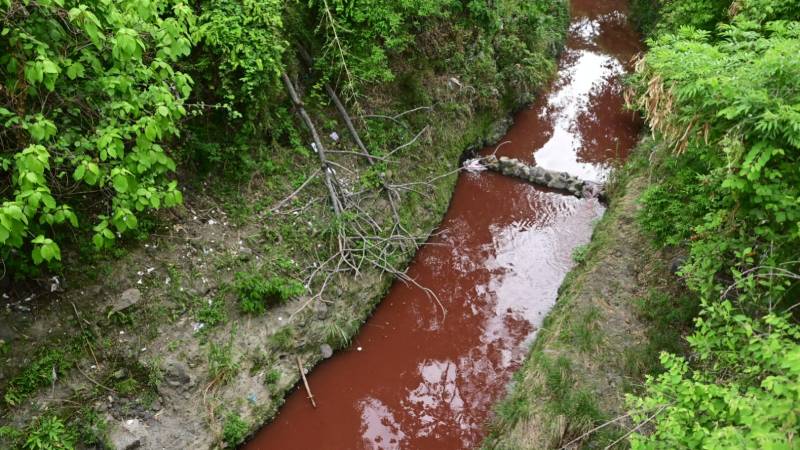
(411, 380)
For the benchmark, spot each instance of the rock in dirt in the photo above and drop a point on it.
(677, 264)
(176, 374)
(127, 435)
(127, 299)
(326, 351)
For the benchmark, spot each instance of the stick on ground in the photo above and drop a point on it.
(305, 382)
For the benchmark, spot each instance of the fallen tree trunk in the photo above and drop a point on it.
(301, 110)
(339, 107)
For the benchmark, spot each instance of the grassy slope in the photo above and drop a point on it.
(614, 315)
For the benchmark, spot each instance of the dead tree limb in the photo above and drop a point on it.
(305, 382)
(301, 110)
(280, 204)
(339, 107)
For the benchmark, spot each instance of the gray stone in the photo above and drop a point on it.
(127, 299)
(176, 374)
(326, 351)
(676, 264)
(127, 435)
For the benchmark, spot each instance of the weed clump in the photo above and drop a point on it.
(283, 339)
(272, 377)
(44, 370)
(49, 432)
(233, 431)
(222, 365)
(256, 293)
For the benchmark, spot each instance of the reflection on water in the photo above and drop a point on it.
(588, 74)
(415, 381)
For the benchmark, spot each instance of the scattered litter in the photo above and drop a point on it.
(197, 326)
(474, 166)
(252, 398)
(55, 285)
(212, 222)
(335, 136)
(314, 147)
(151, 269)
(359, 349)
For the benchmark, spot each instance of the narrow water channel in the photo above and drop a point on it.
(411, 380)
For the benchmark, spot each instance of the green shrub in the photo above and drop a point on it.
(256, 293)
(91, 95)
(580, 253)
(272, 377)
(212, 312)
(723, 100)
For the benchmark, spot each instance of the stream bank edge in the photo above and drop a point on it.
(617, 309)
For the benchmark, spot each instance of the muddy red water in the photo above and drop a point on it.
(413, 379)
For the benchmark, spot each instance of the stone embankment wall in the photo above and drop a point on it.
(561, 181)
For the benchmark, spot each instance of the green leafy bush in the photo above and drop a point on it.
(745, 396)
(272, 377)
(257, 293)
(241, 53)
(90, 95)
(723, 101)
(729, 110)
(212, 312)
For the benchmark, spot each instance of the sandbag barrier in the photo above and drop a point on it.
(561, 181)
